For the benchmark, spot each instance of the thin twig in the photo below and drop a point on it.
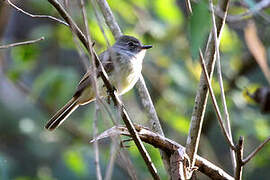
(251, 155)
(21, 43)
(239, 159)
(95, 87)
(114, 149)
(192, 142)
(220, 80)
(35, 16)
(96, 149)
(225, 133)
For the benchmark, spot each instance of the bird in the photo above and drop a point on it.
(123, 64)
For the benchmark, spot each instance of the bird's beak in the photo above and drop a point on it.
(146, 46)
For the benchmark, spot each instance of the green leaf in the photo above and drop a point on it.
(199, 27)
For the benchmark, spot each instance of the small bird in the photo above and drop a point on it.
(123, 64)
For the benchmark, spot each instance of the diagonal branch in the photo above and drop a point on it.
(35, 16)
(21, 43)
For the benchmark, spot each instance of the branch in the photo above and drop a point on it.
(95, 86)
(220, 80)
(193, 138)
(239, 159)
(21, 43)
(35, 16)
(167, 145)
(251, 155)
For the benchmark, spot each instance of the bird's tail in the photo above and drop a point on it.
(62, 114)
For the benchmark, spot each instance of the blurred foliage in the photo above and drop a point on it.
(52, 68)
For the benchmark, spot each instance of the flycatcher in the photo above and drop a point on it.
(123, 64)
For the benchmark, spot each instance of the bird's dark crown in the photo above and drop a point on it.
(122, 40)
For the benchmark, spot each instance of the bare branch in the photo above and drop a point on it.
(21, 43)
(225, 133)
(193, 138)
(167, 145)
(239, 159)
(96, 149)
(220, 80)
(35, 16)
(251, 155)
(95, 86)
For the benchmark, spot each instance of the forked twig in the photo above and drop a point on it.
(21, 43)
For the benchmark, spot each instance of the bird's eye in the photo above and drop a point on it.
(131, 44)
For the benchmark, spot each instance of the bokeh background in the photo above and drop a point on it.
(35, 80)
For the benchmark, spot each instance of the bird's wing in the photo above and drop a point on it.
(86, 79)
